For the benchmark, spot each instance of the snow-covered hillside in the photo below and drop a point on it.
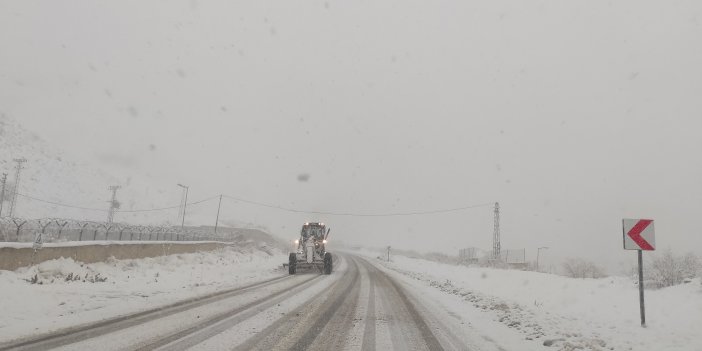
(51, 175)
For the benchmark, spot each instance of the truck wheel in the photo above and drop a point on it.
(328, 263)
(292, 261)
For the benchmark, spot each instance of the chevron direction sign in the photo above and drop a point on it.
(639, 234)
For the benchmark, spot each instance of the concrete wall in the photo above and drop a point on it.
(12, 258)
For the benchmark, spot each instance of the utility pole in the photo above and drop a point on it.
(113, 202)
(182, 201)
(185, 203)
(496, 233)
(18, 168)
(218, 207)
(537, 256)
(2, 193)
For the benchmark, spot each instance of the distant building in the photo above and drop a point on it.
(470, 255)
(515, 259)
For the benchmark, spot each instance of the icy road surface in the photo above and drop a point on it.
(357, 307)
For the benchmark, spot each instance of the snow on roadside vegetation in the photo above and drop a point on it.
(563, 313)
(61, 293)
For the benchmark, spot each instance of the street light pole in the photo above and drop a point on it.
(537, 256)
(185, 204)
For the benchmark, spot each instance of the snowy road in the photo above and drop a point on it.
(357, 307)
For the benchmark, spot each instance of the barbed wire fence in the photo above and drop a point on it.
(15, 229)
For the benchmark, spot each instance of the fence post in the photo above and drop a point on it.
(19, 225)
(43, 227)
(82, 229)
(2, 229)
(107, 231)
(61, 226)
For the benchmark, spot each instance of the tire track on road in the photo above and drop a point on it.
(301, 328)
(210, 324)
(335, 331)
(186, 340)
(93, 330)
(370, 319)
(399, 306)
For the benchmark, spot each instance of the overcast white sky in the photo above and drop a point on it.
(571, 114)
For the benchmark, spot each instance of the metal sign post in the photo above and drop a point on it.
(639, 235)
(642, 307)
(38, 242)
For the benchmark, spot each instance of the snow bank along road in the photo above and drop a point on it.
(357, 307)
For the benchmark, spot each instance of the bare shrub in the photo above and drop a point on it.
(668, 269)
(489, 262)
(581, 268)
(441, 258)
(691, 265)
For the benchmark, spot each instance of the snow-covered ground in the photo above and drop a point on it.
(515, 309)
(527, 310)
(61, 293)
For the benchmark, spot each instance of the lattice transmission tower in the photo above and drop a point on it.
(113, 203)
(496, 233)
(2, 192)
(18, 171)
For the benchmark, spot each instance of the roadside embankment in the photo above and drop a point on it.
(16, 255)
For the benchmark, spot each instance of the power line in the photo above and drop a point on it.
(61, 204)
(352, 214)
(281, 208)
(172, 207)
(103, 210)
